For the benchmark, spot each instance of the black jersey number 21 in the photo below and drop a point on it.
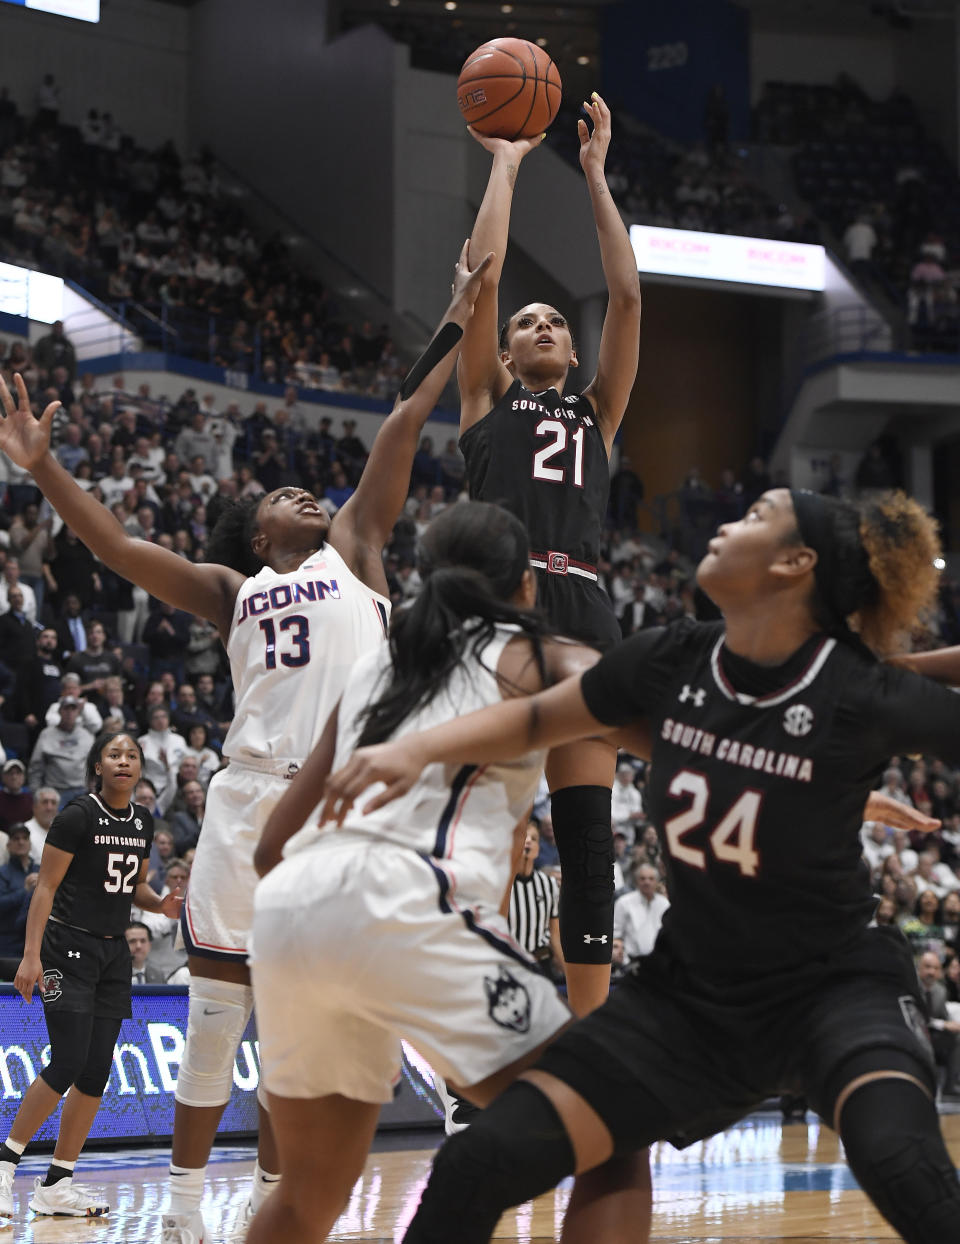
(541, 459)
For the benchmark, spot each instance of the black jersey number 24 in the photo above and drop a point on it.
(731, 842)
(121, 873)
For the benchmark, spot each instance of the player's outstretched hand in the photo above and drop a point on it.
(23, 438)
(897, 815)
(503, 146)
(467, 281)
(29, 973)
(594, 143)
(396, 765)
(171, 905)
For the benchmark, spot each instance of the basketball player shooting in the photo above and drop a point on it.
(544, 453)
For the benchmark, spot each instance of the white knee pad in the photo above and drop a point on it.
(219, 1011)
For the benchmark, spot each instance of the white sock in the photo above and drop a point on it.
(15, 1145)
(263, 1184)
(186, 1188)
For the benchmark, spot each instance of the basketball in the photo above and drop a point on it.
(509, 88)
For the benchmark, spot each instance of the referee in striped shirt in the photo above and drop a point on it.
(534, 909)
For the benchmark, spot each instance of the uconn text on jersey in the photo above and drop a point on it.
(258, 603)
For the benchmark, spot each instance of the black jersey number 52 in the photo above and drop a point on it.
(121, 873)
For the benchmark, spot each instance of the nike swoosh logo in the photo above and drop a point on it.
(207, 1011)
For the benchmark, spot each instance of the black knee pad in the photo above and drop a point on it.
(891, 1133)
(69, 1033)
(96, 1072)
(584, 838)
(516, 1150)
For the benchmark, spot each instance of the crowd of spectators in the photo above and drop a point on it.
(156, 235)
(889, 192)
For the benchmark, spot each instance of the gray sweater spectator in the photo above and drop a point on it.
(197, 440)
(60, 755)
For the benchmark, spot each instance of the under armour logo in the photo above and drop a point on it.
(104, 820)
(73, 954)
(602, 939)
(698, 696)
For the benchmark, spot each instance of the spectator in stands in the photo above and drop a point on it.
(73, 572)
(117, 484)
(626, 809)
(60, 754)
(859, 242)
(339, 490)
(452, 468)
(18, 880)
(16, 804)
(187, 822)
(944, 1032)
(17, 634)
(876, 845)
(90, 716)
(893, 785)
(114, 703)
(197, 441)
(163, 750)
(55, 350)
(922, 929)
(37, 683)
(164, 955)
(351, 450)
(638, 914)
(48, 104)
(188, 712)
(166, 634)
(11, 579)
(46, 802)
(96, 662)
(31, 544)
(140, 941)
(208, 760)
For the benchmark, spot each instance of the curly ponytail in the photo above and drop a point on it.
(902, 543)
(473, 555)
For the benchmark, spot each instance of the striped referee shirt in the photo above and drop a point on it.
(534, 902)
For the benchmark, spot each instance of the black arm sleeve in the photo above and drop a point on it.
(629, 681)
(70, 829)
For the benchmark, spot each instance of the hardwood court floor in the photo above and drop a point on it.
(758, 1182)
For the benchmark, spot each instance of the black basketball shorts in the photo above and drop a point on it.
(578, 608)
(665, 1059)
(85, 973)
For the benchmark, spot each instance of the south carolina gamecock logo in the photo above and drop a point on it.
(798, 720)
(508, 1001)
(50, 985)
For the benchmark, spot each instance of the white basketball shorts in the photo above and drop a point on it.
(359, 944)
(218, 911)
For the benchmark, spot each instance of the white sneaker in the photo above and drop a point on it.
(6, 1193)
(183, 1228)
(66, 1197)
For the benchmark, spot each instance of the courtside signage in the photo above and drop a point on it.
(726, 257)
(83, 10)
(138, 1102)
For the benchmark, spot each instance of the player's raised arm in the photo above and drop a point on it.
(362, 527)
(482, 377)
(609, 391)
(205, 589)
(493, 734)
(942, 664)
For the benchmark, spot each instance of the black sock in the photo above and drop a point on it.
(8, 1155)
(56, 1172)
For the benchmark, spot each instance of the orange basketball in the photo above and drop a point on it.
(509, 88)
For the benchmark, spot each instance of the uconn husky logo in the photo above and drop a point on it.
(508, 1001)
